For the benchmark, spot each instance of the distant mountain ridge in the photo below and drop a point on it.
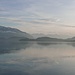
(48, 39)
(2, 28)
(8, 32)
(14, 34)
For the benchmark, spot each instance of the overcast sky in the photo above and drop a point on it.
(39, 16)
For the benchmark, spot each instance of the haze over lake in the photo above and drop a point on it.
(32, 58)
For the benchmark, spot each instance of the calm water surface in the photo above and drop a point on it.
(32, 58)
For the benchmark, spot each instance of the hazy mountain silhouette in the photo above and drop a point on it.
(7, 32)
(13, 34)
(48, 39)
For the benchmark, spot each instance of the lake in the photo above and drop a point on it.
(36, 58)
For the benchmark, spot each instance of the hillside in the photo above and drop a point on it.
(7, 33)
(48, 39)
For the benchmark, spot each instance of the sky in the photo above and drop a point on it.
(39, 16)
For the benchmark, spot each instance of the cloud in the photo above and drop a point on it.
(39, 15)
(39, 22)
(35, 20)
(43, 22)
(50, 19)
(2, 9)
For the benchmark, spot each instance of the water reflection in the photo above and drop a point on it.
(37, 58)
(46, 43)
(8, 47)
(72, 44)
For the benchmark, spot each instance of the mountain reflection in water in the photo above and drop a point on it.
(37, 58)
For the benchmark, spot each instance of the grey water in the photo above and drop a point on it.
(31, 58)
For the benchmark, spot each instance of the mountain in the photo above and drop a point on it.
(55, 35)
(49, 39)
(71, 39)
(7, 33)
